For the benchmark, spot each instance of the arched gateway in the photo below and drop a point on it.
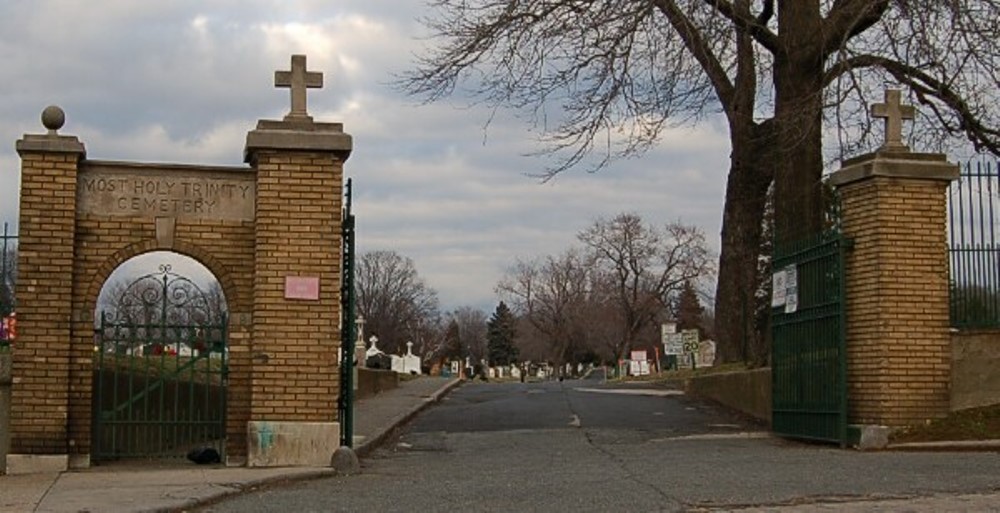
(270, 232)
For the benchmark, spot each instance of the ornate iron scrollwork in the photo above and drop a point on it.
(165, 298)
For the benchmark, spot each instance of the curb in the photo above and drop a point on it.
(965, 445)
(241, 488)
(369, 445)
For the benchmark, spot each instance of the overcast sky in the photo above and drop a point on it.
(183, 81)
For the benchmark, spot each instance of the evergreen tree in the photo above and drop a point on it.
(688, 309)
(500, 336)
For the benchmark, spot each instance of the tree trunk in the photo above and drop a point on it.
(746, 198)
(798, 115)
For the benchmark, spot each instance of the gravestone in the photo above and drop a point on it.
(408, 363)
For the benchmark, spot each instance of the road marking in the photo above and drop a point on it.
(575, 422)
(656, 392)
(744, 435)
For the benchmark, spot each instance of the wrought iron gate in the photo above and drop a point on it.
(160, 371)
(809, 367)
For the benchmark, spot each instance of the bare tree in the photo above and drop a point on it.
(644, 268)
(471, 332)
(604, 79)
(550, 293)
(394, 300)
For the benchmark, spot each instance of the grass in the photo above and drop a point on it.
(680, 374)
(972, 424)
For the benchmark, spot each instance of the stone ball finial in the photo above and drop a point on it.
(53, 118)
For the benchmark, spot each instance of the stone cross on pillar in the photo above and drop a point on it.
(893, 112)
(298, 79)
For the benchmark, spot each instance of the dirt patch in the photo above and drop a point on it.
(972, 424)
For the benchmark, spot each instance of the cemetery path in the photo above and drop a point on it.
(586, 446)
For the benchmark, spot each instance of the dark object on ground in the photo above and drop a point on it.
(204, 455)
(379, 361)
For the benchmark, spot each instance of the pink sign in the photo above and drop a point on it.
(301, 287)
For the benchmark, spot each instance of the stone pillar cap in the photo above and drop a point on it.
(53, 119)
(298, 135)
(895, 163)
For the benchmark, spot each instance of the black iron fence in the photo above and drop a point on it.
(8, 274)
(974, 256)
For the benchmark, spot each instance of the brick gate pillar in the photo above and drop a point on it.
(41, 388)
(893, 205)
(296, 299)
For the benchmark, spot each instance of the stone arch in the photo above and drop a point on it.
(194, 251)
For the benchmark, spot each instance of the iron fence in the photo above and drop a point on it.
(8, 275)
(974, 256)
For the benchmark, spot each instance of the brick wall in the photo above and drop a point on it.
(298, 233)
(42, 356)
(897, 300)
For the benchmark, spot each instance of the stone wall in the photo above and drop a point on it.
(745, 391)
(374, 381)
(975, 368)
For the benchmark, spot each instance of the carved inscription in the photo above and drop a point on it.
(162, 195)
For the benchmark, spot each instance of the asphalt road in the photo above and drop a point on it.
(583, 446)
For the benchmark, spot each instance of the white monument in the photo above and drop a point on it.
(408, 363)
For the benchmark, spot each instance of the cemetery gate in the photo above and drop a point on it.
(809, 361)
(160, 370)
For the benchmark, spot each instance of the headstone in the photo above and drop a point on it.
(706, 353)
(408, 363)
(375, 358)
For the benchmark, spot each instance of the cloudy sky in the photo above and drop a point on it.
(183, 81)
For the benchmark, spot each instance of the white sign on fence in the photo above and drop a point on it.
(778, 284)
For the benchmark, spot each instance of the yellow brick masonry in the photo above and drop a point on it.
(897, 300)
(298, 234)
(40, 392)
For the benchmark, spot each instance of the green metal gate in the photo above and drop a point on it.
(809, 367)
(160, 371)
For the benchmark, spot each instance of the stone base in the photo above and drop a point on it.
(868, 437)
(291, 444)
(36, 463)
(79, 461)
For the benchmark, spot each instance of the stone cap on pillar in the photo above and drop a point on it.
(53, 119)
(297, 131)
(894, 159)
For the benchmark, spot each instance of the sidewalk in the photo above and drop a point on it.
(151, 487)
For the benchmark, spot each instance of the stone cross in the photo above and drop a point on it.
(298, 79)
(893, 112)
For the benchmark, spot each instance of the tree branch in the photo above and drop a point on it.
(696, 44)
(849, 18)
(756, 27)
(925, 86)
